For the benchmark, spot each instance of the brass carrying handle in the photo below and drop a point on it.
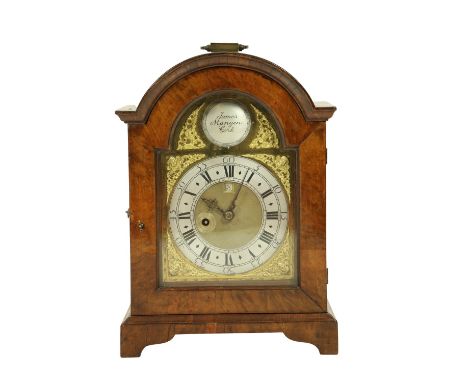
(224, 47)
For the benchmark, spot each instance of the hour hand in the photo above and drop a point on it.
(213, 205)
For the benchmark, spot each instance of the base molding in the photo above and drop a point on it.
(319, 329)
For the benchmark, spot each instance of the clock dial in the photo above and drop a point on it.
(228, 214)
(226, 123)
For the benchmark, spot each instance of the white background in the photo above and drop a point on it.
(397, 184)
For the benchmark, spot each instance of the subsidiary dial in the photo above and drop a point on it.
(226, 123)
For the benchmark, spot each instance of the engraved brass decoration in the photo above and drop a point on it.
(189, 139)
(266, 136)
(179, 269)
(175, 167)
(280, 166)
(279, 267)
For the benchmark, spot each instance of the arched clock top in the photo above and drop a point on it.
(310, 111)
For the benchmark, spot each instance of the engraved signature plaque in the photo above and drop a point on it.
(226, 123)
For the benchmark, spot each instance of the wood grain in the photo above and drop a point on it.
(149, 128)
(319, 329)
(311, 112)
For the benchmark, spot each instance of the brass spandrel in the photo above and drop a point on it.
(189, 139)
(266, 137)
(175, 166)
(280, 166)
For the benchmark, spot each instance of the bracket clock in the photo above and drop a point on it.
(227, 161)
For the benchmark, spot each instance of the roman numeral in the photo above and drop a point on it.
(189, 235)
(267, 193)
(266, 237)
(190, 193)
(206, 176)
(205, 254)
(251, 254)
(229, 170)
(250, 177)
(184, 215)
(272, 215)
(228, 259)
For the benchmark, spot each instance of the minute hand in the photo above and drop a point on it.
(233, 203)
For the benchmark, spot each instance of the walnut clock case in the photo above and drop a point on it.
(227, 161)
